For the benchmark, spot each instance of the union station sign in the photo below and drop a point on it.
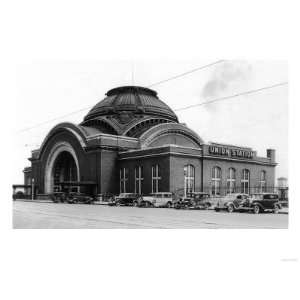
(224, 151)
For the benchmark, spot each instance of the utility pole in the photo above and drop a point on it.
(185, 173)
(132, 73)
(32, 189)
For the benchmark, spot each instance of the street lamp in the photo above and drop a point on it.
(185, 174)
(32, 189)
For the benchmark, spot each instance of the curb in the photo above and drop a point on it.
(36, 200)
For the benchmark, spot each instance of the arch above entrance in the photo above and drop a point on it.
(56, 150)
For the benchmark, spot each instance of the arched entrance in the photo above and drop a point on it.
(62, 165)
(64, 169)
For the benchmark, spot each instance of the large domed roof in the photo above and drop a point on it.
(131, 99)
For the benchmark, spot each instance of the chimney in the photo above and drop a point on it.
(271, 155)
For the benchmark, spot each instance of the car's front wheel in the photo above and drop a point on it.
(256, 209)
(276, 209)
(169, 204)
(147, 204)
(230, 208)
(206, 206)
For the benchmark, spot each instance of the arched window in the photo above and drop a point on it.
(123, 179)
(263, 181)
(231, 180)
(155, 178)
(245, 182)
(138, 175)
(216, 181)
(189, 178)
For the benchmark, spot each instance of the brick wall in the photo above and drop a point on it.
(177, 164)
(254, 169)
(147, 163)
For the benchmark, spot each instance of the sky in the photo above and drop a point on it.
(50, 89)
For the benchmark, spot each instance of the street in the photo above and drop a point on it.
(52, 215)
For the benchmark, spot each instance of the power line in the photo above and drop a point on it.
(185, 73)
(55, 119)
(233, 96)
(89, 107)
(179, 109)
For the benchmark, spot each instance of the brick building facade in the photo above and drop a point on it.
(133, 142)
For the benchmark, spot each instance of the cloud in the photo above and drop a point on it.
(226, 77)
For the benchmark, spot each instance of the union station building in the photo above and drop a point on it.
(131, 141)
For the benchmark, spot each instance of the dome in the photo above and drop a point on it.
(126, 106)
(134, 99)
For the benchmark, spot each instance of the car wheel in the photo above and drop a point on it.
(256, 209)
(169, 205)
(206, 206)
(230, 208)
(276, 209)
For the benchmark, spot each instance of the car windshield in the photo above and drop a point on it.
(125, 195)
(271, 196)
(168, 195)
(265, 196)
(231, 196)
(200, 196)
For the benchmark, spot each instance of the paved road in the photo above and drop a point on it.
(51, 215)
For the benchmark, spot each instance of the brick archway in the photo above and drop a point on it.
(54, 154)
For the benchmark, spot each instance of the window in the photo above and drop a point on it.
(189, 179)
(263, 181)
(138, 174)
(245, 182)
(123, 179)
(231, 181)
(155, 178)
(216, 181)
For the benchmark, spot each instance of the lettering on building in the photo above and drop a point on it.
(224, 151)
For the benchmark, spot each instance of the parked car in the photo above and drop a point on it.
(75, 197)
(19, 195)
(195, 200)
(259, 202)
(233, 202)
(58, 197)
(126, 199)
(105, 198)
(163, 199)
(265, 202)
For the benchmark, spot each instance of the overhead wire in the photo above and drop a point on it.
(55, 119)
(186, 73)
(89, 107)
(232, 96)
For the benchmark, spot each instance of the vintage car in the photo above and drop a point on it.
(58, 197)
(233, 202)
(75, 197)
(162, 199)
(126, 199)
(262, 202)
(195, 200)
(257, 203)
